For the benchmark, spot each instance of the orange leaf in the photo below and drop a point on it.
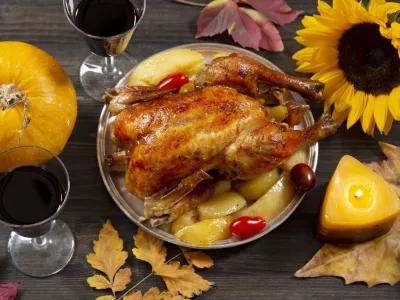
(197, 258)
(389, 169)
(153, 294)
(373, 262)
(134, 296)
(108, 256)
(149, 249)
(99, 282)
(108, 297)
(183, 279)
(121, 279)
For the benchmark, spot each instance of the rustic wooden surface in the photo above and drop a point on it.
(261, 270)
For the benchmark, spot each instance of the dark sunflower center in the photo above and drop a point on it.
(368, 60)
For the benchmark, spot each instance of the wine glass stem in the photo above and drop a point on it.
(109, 68)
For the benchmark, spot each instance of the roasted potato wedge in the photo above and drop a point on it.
(273, 202)
(186, 219)
(157, 67)
(297, 158)
(206, 232)
(221, 205)
(221, 187)
(255, 188)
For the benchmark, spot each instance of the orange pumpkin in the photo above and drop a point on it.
(33, 86)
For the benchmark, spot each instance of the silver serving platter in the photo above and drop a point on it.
(133, 207)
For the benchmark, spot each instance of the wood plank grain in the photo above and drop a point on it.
(261, 270)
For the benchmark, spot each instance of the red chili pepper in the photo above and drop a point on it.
(247, 226)
(173, 81)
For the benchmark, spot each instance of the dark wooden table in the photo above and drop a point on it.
(261, 270)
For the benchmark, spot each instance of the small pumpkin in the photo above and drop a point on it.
(37, 102)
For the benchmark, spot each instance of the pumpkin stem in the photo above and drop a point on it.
(10, 96)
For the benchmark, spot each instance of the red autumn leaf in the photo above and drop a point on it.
(278, 11)
(8, 290)
(270, 37)
(251, 28)
(245, 31)
(217, 17)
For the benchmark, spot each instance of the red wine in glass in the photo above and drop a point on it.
(105, 18)
(34, 188)
(29, 195)
(107, 27)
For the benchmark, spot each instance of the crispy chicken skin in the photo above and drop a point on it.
(170, 138)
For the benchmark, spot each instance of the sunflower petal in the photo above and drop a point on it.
(323, 59)
(392, 7)
(343, 102)
(368, 115)
(389, 123)
(340, 116)
(358, 104)
(377, 9)
(394, 103)
(381, 110)
(309, 21)
(318, 37)
(304, 54)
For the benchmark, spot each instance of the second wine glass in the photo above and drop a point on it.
(107, 27)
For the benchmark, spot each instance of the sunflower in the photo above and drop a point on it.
(355, 51)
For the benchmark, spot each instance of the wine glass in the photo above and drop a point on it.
(45, 247)
(107, 27)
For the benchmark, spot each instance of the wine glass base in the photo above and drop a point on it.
(96, 76)
(43, 256)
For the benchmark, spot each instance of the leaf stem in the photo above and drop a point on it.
(191, 3)
(136, 285)
(145, 278)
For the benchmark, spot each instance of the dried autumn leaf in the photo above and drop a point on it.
(99, 282)
(373, 262)
(245, 31)
(135, 296)
(108, 297)
(109, 257)
(389, 169)
(122, 279)
(197, 258)
(248, 27)
(8, 290)
(153, 294)
(149, 249)
(183, 279)
(270, 37)
(278, 11)
(216, 18)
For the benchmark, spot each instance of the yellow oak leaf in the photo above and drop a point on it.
(389, 169)
(197, 258)
(108, 297)
(108, 255)
(134, 296)
(183, 279)
(99, 282)
(373, 262)
(149, 249)
(121, 279)
(153, 294)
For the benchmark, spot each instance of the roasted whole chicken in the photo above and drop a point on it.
(170, 141)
